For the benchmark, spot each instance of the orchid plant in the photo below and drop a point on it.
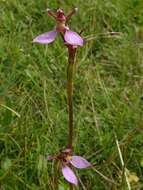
(71, 40)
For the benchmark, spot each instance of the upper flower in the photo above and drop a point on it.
(66, 159)
(70, 37)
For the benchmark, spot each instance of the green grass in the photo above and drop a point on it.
(108, 94)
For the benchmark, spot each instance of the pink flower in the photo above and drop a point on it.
(69, 37)
(66, 159)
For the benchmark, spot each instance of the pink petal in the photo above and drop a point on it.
(46, 38)
(69, 175)
(73, 38)
(79, 162)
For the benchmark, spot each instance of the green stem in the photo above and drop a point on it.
(69, 94)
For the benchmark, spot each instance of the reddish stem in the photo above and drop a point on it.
(71, 60)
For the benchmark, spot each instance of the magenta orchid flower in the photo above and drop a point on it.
(67, 160)
(70, 37)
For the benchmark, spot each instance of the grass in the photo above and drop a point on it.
(108, 96)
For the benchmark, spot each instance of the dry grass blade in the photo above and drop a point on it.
(122, 162)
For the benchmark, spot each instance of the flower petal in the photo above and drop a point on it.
(73, 38)
(69, 175)
(79, 162)
(46, 38)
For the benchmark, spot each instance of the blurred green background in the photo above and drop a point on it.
(108, 94)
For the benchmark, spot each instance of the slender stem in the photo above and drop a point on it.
(71, 60)
(71, 187)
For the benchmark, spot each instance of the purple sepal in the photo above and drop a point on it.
(73, 38)
(46, 38)
(79, 162)
(69, 175)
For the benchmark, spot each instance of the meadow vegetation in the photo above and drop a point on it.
(108, 95)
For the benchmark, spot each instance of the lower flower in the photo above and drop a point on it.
(67, 160)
